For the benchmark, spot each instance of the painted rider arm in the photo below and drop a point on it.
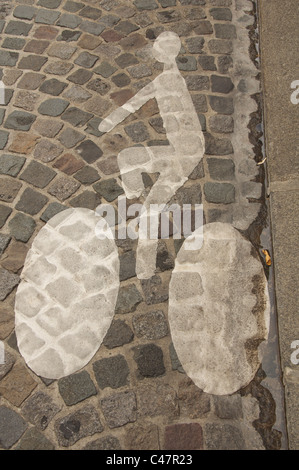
(132, 105)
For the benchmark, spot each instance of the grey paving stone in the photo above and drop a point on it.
(81, 423)
(11, 164)
(221, 14)
(111, 372)
(145, 4)
(2, 24)
(8, 59)
(70, 137)
(127, 268)
(121, 80)
(87, 199)
(219, 193)
(39, 410)
(167, 3)
(220, 46)
(9, 189)
(19, 120)
(203, 27)
(3, 139)
(137, 131)
(32, 62)
(72, 7)
(18, 28)
(80, 76)
(69, 21)
(52, 209)
(221, 124)
(52, 4)
(193, 2)
(13, 43)
(197, 82)
(119, 409)
(37, 174)
(58, 68)
(76, 117)
(228, 407)
(53, 87)
(149, 360)
(175, 362)
(154, 290)
(224, 63)
(125, 60)
(31, 202)
(195, 45)
(128, 299)
(30, 81)
(90, 152)
(221, 169)
(85, 59)
(150, 325)
(4, 241)
(69, 35)
(225, 31)
(22, 227)
(207, 62)
(48, 127)
(76, 387)
(46, 16)
(126, 27)
(2, 114)
(5, 212)
(47, 150)
(32, 439)
(104, 443)
(217, 146)
(63, 187)
(8, 282)
(223, 437)
(221, 104)
(92, 27)
(90, 12)
(24, 12)
(99, 86)
(12, 426)
(105, 69)
(53, 107)
(165, 260)
(109, 189)
(87, 175)
(62, 50)
(186, 63)
(118, 334)
(221, 84)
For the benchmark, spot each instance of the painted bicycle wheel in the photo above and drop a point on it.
(66, 299)
(219, 310)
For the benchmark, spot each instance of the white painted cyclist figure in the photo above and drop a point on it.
(173, 162)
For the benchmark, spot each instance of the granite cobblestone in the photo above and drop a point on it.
(66, 65)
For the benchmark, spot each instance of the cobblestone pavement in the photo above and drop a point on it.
(65, 65)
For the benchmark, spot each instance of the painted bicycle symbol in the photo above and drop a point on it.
(218, 299)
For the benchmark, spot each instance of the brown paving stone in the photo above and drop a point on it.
(89, 41)
(68, 163)
(9, 189)
(36, 46)
(143, 436)
(14, 256)
(121, 97)
(23, 143)
(17, 385)
(183, 437)
(7, 322)
(46, 32)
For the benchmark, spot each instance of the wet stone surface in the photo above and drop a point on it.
(66, 65)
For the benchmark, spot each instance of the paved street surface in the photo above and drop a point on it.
(65, 66)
